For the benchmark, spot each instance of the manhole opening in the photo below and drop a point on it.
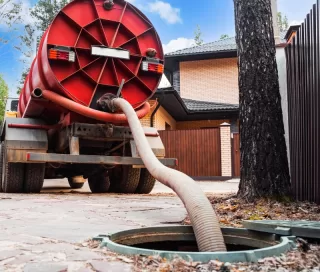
(185, 246)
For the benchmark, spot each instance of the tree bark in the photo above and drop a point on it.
(264, 162)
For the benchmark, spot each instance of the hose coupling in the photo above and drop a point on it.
(106, 103)
(108, 4)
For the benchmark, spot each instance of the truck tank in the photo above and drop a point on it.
(91, 49)
(99, 61)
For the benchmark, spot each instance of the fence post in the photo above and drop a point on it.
(225, 140)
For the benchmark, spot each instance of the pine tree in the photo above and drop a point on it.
(282, 22)
(224, 36)
(264, 163)
(197, 36)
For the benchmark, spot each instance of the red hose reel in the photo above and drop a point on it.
(90, 47)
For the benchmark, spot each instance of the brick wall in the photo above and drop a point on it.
(225, 136)
(200, 124)
(163, 117)
(213, 80)
(160, 119)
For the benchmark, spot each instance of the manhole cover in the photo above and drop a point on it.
(308, 229)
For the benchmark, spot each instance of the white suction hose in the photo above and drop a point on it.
(203, 218)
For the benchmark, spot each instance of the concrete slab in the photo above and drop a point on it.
(214, 187)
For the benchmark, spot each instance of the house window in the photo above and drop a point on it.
(168, 127)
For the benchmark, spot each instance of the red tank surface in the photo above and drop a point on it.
(89, 49)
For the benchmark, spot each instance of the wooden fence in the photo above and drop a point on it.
(198, 151)
(303, 76)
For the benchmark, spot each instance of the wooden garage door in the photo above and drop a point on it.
(236, 154)
(198, 151)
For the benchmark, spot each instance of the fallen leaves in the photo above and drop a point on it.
(158, 264)
(232, 211)
(125, 259)
(89, 244)
(295, 260)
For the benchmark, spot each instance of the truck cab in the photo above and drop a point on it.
(11, 107)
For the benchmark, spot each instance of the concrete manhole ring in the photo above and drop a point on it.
(176, 241)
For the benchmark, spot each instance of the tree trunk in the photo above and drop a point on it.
(264, 162)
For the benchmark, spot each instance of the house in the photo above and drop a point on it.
(203, 90)
(202, 94)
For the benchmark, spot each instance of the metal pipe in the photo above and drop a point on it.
(88, 112)
(154, 113)
(204, 220)
(156, 110)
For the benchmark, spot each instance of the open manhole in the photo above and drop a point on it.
(169, 242)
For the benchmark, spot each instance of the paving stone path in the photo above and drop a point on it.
(48, 232)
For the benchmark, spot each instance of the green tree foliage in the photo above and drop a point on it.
(4, 90)
(23, 78)
(224, 36)
(282, 22)
(10, 14)
(198, 36)
(43, 13)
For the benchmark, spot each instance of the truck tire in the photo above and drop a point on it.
(34, 177)
(75, 185)
(13, 176)
(99, 184)
(126, 180)
(1, 164)
(146, 182)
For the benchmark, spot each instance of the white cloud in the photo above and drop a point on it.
(178, 44)
(166, 11)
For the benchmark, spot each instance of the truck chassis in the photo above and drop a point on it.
(103, 154)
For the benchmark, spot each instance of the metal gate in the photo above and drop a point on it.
(303, 77)
(198, 151)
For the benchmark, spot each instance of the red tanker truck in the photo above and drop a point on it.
(66, 126)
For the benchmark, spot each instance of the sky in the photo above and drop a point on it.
(175, 21)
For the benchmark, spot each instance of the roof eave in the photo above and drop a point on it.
(202, 53)
(192, 115)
